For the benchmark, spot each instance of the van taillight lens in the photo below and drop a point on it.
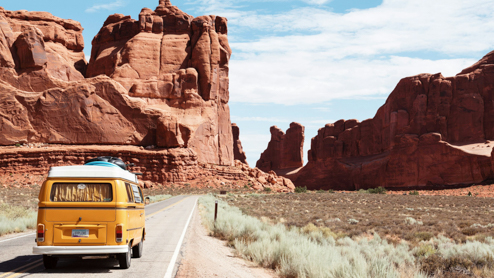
(41, 233)
(119, 233)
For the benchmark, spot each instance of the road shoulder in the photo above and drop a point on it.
(205, 256)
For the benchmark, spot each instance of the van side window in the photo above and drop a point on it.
(81, 192)
(137, 194)
(130, 193)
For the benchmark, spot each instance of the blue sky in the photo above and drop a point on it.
(317, 61)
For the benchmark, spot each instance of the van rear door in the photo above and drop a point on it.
(80, 212)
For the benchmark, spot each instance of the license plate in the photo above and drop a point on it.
(80, 233)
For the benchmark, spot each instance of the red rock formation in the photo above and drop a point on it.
(285, 151)
(19, 165)
(420, 137)
(238, 151)
(162, 80)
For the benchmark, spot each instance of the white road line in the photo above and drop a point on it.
(171, 266)
(16, 237)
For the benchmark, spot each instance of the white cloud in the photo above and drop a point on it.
(109, 6)
(285, 79)
(359, 54)
(317, 2)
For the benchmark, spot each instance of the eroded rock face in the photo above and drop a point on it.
(421, 136)
(179, 65)
(284, 151)
(161, 80)
(238, 151)
(38, 39)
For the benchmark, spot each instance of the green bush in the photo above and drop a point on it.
(414, 192)
(300, 189)
(321, 191)
(267, 189)
(379, 190)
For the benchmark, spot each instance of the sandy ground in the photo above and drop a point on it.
(204, 256)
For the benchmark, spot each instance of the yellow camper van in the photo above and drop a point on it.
(94, 209)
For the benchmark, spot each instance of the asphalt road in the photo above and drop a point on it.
(165, 225)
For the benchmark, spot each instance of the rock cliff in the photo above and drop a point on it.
(161, 80)
(284, 151)
(431, 131)
(238, 151)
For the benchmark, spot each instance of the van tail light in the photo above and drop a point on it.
(119, 233)
(41, 233)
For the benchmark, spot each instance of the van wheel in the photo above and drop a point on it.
(49, 262)
(137, 250)
(124, 259)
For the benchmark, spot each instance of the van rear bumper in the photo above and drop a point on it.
(80, 250)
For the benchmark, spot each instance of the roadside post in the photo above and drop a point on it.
(215, 211)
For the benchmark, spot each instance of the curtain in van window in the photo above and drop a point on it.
(81, 192)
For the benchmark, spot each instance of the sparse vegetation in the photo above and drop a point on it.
(158, 198)
(414, 192)
(379, 190)
(393, 217)
(14, 219)
(300, 189)
(267, 189)
(317, 250)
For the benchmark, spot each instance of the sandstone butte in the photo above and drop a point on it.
(238, 151)
(431, 132)
(160, 81)
(284, 151)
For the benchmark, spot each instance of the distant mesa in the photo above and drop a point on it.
(284, 151)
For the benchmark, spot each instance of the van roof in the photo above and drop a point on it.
(91, 171)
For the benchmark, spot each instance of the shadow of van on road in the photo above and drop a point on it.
(25, 264)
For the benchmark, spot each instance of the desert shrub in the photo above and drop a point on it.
(424, 250)
(158, 198)
(300, 189)
(470, 231)
(412, 221)
(321, 191)
(490, 225)
(423, 236)
(267, 189)
(15, 219)
(352, 221)
(330, 191)
(414, 192)
(306, 252)
(379, 190)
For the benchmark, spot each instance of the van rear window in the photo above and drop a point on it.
(81, 192)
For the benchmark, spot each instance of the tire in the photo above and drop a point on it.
(49, 262)
(137, 250)
(124, 259)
